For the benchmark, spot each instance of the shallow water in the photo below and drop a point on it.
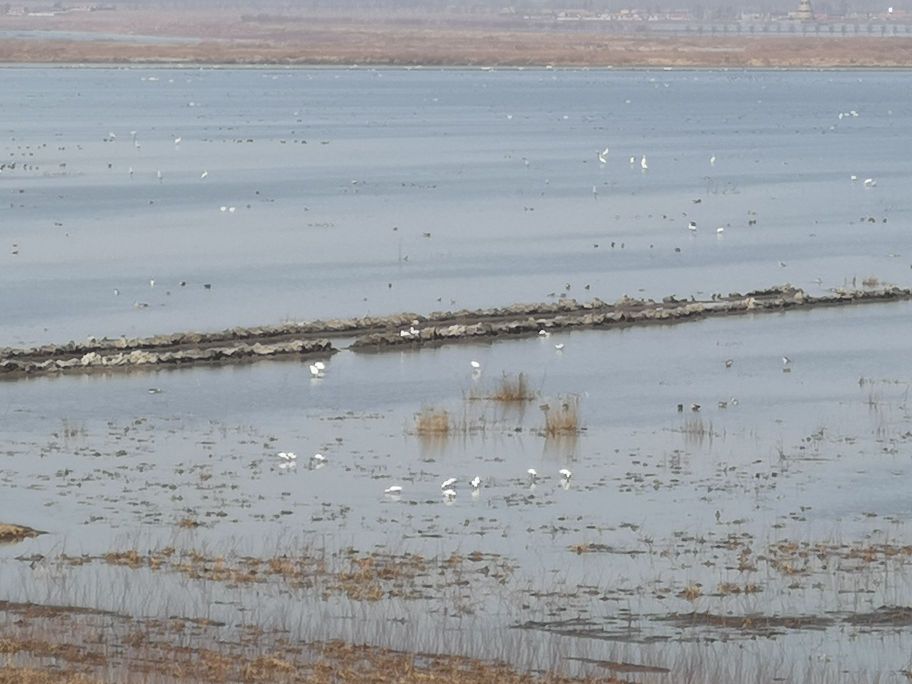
(336, 176)
(778, 493)
(102, 464)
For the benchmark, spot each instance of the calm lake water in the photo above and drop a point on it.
(499, 169)
(337, 177)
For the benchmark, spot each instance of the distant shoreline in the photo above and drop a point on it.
(237, 66)
(231, 40)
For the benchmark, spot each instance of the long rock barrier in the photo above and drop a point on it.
(311, 339)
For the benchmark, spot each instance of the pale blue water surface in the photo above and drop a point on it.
(336, 176)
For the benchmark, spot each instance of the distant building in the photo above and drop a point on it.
(804, 13)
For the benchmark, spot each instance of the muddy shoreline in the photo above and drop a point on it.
(311, 339)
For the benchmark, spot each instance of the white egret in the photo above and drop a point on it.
(475, 482)
(318, 458)
(204, 174)
(643, 164)
(565, 473)
(559, 346)
(544, 333)
(533, 474)
(603, 156)
(158, 174)
(869, 182)
(393, 491)
(314, 371)
(177, 140)
(475, 365)
(712, 160)
(319, 365)
(449, 494)
(448, 483)
(720, 230)
(692, 226)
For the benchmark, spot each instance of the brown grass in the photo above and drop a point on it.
(15, 533)
(227, 37)
(509, 389)
(513, 388)
(358, 576)
(143, 654)
(433, 422)
(562, 417)
(30, 675)
(691, 592)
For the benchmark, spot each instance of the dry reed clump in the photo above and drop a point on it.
(14, 533)
(870, 281)
(131, 558)
(691, 592)
(562, 418)
(433, 421)
(509, 389)
(33, 675)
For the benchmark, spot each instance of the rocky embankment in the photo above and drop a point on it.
(378, 333)
(165, 351)
(524, 320)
